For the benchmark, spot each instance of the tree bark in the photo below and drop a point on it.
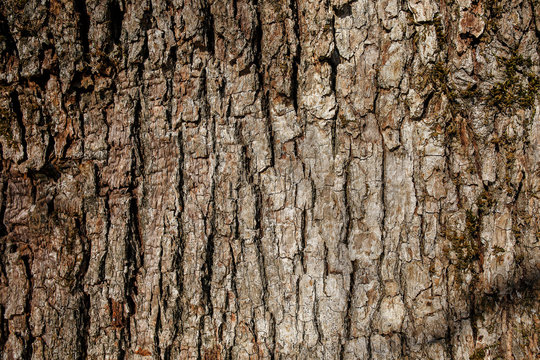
(270, 179)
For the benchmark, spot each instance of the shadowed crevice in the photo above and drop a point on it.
(29, 339)
(116, 17)
(16, 106)
(84, 23)
(208, 28)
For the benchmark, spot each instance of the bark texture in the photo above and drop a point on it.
(269, 179)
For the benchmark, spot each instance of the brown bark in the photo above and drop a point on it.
(271, 179)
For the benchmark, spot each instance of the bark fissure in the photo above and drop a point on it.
(84, 21)
(28, 338)
(295, 61)
(16, 106)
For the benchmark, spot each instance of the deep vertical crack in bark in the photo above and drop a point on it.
(3, 204)
(84, 23)
(83, 326)
(258, 242)
(28, 338)
(348, 313)
(293, 5)
(16, 106)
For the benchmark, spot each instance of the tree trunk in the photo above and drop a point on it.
(272, 179)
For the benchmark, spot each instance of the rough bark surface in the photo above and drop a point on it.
(269, 179)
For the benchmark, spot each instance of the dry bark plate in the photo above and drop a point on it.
(271, 179)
